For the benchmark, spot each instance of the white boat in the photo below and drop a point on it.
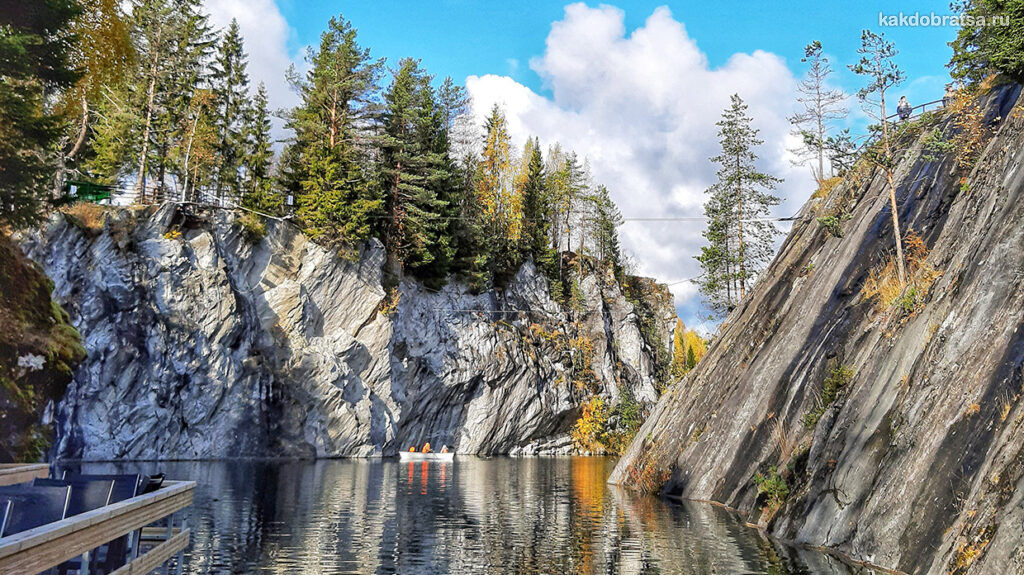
(432, 456)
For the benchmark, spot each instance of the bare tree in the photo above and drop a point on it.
(877, 65)
(821, 106)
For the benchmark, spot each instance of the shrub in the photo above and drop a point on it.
(253, 226)
(645, 474)
(839, 376)
(590, 426)
(834, 224)
(771, 489)
(86, 216)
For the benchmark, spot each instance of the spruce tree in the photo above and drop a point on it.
(741, 238)
(230, 84)
(606, 229)
(537, 211)
(328, 155)
(34, 49)
(414, 167)
(257, 157)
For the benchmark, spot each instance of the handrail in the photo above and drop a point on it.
(47, 546)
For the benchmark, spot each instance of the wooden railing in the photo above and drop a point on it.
(11, 473)
(50, 545)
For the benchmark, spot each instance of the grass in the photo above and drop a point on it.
(86, 216)
(826, 187)
(883, 285)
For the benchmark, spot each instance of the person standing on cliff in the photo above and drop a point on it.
(904, 109)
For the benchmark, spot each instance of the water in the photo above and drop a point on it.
(502, 515)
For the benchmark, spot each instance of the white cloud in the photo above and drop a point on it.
(642, 107)
(265, 32)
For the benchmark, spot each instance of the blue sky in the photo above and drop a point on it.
(635, 86)
(463, 37)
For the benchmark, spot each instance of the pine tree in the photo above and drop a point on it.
(882, 73)
(991, 41)
(330, 149)
(146, 123)
(741, 239)
(230, 84)
(821, 106)
(34, 51)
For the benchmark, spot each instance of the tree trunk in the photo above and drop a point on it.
(739, 222)
(892, 196)
(140, 183)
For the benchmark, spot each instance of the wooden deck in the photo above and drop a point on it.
(11, 473)
(39, 549)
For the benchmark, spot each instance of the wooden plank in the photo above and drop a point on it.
(44, 547)
(156, 556)
(11, 473)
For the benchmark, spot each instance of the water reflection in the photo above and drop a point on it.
(537, 515)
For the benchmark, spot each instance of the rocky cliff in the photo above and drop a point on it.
(203, 343)
(38, 351)
(885, 426)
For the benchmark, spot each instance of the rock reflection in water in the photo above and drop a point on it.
(534, 515)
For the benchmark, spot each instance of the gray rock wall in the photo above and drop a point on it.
(206, 345)
(919, 462)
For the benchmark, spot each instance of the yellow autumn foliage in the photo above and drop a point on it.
(688, 347)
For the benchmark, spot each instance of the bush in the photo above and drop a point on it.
(826, 187)
(253, 227)
(833, 224)
(839, 376)
(590, 426)
(771, 489)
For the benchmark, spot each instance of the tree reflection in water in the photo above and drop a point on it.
(502, 515)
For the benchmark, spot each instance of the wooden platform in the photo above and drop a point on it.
(50, 545)
(11, 473)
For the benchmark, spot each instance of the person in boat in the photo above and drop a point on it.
(412, 449)
(904, 109)
(444, 449)
(426, 448)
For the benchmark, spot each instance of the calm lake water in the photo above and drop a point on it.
(502, 515)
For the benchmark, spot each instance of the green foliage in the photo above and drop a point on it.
(992, 42)
(230, 84)
(833, 224)
(34, 51)
(415, 174)
(772, 488)
(740, 238)
(836, 380)
(337, 202)
(31, 325)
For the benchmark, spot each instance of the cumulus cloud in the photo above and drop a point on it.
(642, 107)
(265, 33)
